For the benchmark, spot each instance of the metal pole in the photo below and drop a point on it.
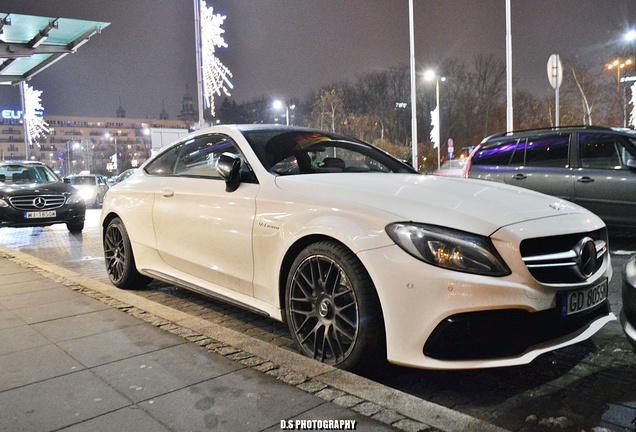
(509, 113)
(27, 135)
(439, 123)
(197, 30)
(413, 89)
(68, 158)
(556, 103)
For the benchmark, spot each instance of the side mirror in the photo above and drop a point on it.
(631, 164)
(229, 168)
(67, 180)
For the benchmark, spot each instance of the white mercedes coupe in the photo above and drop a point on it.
(363, 257)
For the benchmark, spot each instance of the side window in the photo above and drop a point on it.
(602, 151)
(547, 152)
(198, 157)
(164, 164)
(495, 153)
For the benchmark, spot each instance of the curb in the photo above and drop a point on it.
(392, 407)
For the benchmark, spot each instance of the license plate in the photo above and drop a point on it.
(39, 214)
(576, 301)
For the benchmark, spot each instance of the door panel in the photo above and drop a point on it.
(604, 184)
(207, 232)
(542, 165)
(200, 228)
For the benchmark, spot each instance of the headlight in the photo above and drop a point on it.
(74, 199)
(448, 248)
(3, 203)
(87, 194)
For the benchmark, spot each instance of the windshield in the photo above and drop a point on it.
(310, 152)
(83, 180)
(22, 174)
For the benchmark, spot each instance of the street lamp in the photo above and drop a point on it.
(278, 105)
(107, 135)
(620, 65)
(430, 75)
(69, 155)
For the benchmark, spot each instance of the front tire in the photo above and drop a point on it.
(75, 227)
(120, 262)
(332, 308)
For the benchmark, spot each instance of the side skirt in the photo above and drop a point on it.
(197, 289)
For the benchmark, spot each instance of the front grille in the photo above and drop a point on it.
(562, 259)
(37, 202)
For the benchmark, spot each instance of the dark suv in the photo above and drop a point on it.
(31, 194)
(592, 166)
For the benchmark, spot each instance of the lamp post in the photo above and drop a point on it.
(278, 105)
(620, 65)
(430, 75)
(69, 155)
(107, 135)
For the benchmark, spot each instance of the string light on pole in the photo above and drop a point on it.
(34, 123)
(216, 76)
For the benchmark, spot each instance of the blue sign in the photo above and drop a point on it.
(10, 114)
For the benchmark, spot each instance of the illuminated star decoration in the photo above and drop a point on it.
(435, 127)
(35, 125)
(216, 76)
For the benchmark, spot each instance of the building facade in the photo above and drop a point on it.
(74, 144)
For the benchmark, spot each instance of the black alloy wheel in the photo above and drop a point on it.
(332, 308)
(120, 262)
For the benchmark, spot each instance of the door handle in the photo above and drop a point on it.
(519, 176)
(585, 179)
(167, 192)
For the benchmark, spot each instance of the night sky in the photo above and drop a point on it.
(287, 48)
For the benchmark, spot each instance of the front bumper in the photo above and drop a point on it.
(440, 319)
(11, 217)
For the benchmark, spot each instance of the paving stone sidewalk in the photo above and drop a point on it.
(77, 354)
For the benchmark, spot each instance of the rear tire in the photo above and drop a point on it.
(120, 262)
(332, 308)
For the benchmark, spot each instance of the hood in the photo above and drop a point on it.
(471, 205)
(17, 189)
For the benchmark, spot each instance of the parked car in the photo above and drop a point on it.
(124, 175)
(451, 168)
(360, 255)
(628, 311)
(92, 187)
(592, 166)
(31, 194)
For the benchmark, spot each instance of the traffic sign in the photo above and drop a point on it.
(555, 71)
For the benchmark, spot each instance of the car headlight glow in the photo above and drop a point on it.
(3, 203)
(74, 199)
(448, 248)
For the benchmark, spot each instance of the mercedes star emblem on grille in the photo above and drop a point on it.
(586, 256)
(39, 202)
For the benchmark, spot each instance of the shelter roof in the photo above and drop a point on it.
(29, 44)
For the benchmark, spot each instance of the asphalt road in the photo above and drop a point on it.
(589, 386)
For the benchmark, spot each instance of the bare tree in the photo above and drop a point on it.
(488, 81)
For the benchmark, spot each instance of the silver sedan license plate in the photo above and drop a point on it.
(39, 214)
(576, 301)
